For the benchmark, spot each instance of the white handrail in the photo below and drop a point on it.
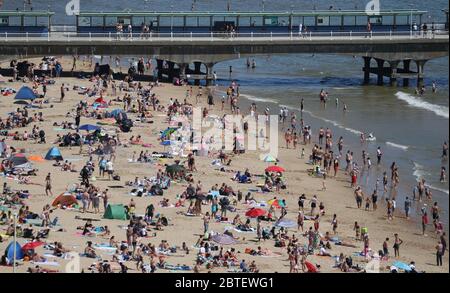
(192, 36)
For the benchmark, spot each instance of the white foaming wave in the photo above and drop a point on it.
(334, 123)
(420, 173)
(419, 103)
(396, 145)
(256, 99)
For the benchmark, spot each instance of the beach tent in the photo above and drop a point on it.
(269, 159)
(9, 252)
(116, 212)
(18, 160)
(25, 93)
(65, 199)
(54, 154)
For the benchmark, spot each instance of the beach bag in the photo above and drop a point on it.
(116, 177)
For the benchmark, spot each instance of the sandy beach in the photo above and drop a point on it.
(338, 198)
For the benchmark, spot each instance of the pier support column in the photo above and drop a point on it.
(406, 64)
(366, 69)
(393, 76)
(197, 71)
(160, 64)
(171, 73)
(380, 69)
(420, 72)
(209, 74)
(183, 67)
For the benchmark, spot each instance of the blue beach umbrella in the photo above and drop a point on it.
(89, 127)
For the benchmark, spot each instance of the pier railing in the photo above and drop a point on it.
(220, 36)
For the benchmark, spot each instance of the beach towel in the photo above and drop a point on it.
(177, 267)
(241, 231)
(46, 263)
(402, 266)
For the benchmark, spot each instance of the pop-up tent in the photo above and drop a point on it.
(25, 93)
(9, 252)
(54, 154)
(116, 212)
(65, 199)
(17, 160)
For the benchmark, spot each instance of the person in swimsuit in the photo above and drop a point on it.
(397, 243)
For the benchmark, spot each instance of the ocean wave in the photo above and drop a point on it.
(396, 145)
(420, 173)
(256, 99)
(419, 103)
(332, 122)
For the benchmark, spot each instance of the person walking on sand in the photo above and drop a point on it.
(48, 185)
(439, 253)
(397, 243)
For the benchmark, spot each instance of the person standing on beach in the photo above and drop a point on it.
(48, 185)
(439, 253)
(407, 207)
(444, 151)
(379, 155)
(424, 222)
(63, 93)
(359, 195)
(206, 220)
(397, 243)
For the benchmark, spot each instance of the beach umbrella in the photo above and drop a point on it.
(277, 203)
(32, 245)
(269, 159)
(166, 142)
(223, 239)
(89, 127)
(255, 213)
(36, 158)
(311, 268)
(277, 169)
(100, 100)
(286, 223)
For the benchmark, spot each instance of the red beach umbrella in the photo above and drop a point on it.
(32, 245)
(277, 169)
(255, 212)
